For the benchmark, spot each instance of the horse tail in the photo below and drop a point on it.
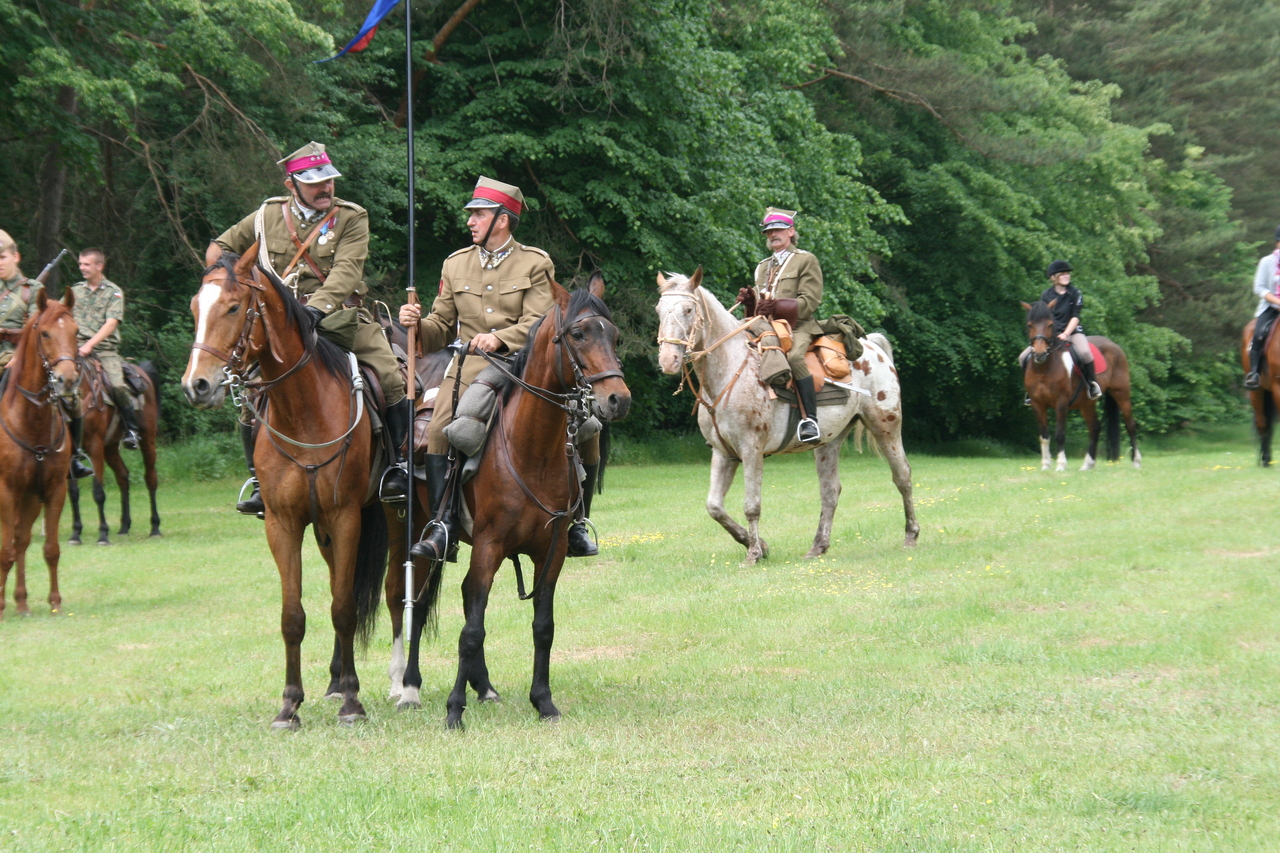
(1111, 414)
(371, 562)
(604, 456)
(149, 368)
(882, 342)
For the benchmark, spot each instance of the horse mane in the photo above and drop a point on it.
(1039, 311)
(330, 356)
(578, 300)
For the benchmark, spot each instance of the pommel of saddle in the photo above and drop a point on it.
(781, 309)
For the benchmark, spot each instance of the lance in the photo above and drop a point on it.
(412, 296)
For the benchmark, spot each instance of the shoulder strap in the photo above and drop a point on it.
(302, 247)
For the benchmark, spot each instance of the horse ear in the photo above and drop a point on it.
(68, 298)
(663, 284)
(1053, 302)
(42, 299)
(595, 284)
(244, 266)
(1025, 306)
(559, 294)
(695, 281)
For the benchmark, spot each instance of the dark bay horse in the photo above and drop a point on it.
(1263, 398)
(35, 447)
(315, 454)
(1053, 386)
(523, 496)
(103, 431)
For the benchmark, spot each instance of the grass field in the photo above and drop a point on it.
(1079, 661)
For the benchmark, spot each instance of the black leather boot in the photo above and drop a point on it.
(129, 419)
(79, 460)
(394, 488)
(580, 544)
(807, 432)
(1253, 380)
(1091, 380)
(251, 505)
(441, 539)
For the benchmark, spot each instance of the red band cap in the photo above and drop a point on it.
(491, 194)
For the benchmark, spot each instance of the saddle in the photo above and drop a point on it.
(1099, 360)
(99, 385)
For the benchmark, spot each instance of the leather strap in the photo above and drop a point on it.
(302, 247)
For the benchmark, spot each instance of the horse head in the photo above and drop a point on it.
(1040, 329)
(680, 319)
(226, 309)
(54, 332)
(588, 340)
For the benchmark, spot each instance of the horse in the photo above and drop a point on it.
(315, 457)
(1051, 385)
(743, 422)
(100, 439)
(1264, 397)
(35, 445)
(523, 496)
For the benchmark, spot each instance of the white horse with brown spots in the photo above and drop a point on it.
(743, 423)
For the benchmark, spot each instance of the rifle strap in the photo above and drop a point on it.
(302, 247)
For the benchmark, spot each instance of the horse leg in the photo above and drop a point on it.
(28, 510)
(73, 489)
(52, 550)
(475, 597)
(1262, 409)
(827, 460)
(149, 468)
(544, 632)
(285, 542)
(100, 499)
(1042, 417)
(890, 441)
(722, 471)
(121, 471)
(1094, 426)
(1060, 437)
(334, 690)
(752, 482)
(343, 530)
(1125, 403)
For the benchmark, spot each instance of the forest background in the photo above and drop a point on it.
(940, 152)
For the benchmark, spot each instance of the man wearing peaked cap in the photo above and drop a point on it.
(788, 286)
(490, 294)
(333, 237)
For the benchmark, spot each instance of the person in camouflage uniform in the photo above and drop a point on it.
(491, 294)
(329, 277)
(17, 304)
(99, 311)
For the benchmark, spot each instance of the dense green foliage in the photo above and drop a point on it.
(941, 153)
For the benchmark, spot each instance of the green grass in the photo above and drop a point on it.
(1078, 661)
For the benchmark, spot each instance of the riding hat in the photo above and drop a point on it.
(776, 217)
(491, 193)
(1057, 267)
(1277, 235)
(6, 242)
(309, 164)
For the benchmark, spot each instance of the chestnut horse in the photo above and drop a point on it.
(314, 457)
(743, 424)
(103, 431)
(35, 447)
(524, 494)
(1052, 385)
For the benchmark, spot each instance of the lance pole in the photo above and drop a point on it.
(412, 296)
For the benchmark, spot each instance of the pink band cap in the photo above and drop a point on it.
(490, 194)
(311, 161)
(779, 218)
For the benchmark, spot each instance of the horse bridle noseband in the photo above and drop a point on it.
(39, 399)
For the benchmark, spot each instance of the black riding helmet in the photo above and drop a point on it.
(1059, 266)
(1278, 233)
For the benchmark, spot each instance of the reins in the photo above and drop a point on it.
(40, 399)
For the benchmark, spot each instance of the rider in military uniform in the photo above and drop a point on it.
(491, 293)
(788, 286)
(99, 311)
(17, 304)
(330, 274)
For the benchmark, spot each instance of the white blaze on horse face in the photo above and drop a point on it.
(205, 300)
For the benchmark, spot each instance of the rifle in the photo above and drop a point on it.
(44, 273)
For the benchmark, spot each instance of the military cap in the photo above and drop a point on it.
(1057, 267)
(309, 164)
(491, 193)
(776, 217)
(6, 242)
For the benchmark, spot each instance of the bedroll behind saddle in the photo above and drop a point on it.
(829, 355)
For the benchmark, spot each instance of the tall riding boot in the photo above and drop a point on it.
(1257, 347)
(441, 539)
(394, 488)
(807, 431)
(129, 418)
(1091, 380)
(251, 505)
(580, 544)
(79, 460)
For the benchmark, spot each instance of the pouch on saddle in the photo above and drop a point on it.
(827, 357)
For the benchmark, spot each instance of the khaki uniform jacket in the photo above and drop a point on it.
(14, 312)
(801, 279)
(94, 308)
(504, 302)
(341, 258)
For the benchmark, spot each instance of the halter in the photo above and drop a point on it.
(39, 399)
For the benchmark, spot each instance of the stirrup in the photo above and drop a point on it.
(1253, 380)
(800, 431)
(401, 498)
(1095, 391)
(241, 500)
(130, 440)
(590, 541)
(419, 548)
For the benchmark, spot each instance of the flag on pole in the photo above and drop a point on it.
(380, 10)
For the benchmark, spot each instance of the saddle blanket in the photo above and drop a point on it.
(1099, 360)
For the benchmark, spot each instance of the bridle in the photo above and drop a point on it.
(41, 398)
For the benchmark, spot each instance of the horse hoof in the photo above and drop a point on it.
(490, 696)
(351, 719)
(334, 695)
(408, 705)
(290, 725)
(104, 542)
(550, 718)
(454, 723)
(74, 540)
(156, 534)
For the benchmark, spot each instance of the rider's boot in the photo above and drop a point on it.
(251, 505)
(580, 544)
(1091, 380)
(79, 459)
(807, 432)
(1253, 380)
(441, 539)
(129, 419)
(394, 488)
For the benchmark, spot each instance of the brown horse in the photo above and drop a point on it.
(524, 494)
(315, 454)
(35, 447)
(1052, 385)
(1263, 398)
(103, 431)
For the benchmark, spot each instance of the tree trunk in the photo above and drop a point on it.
(53, 185)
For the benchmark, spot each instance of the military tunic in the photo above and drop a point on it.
(15, 310)
(339, 254)
(799, 278)
(93, 308)
(505, 302)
